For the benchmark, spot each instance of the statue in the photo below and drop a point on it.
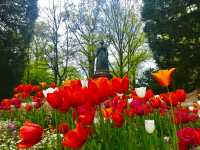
(102, 63)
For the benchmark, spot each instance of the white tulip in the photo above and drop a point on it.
(49, 90)
(141, 91)
(150, 126)
(84, 83)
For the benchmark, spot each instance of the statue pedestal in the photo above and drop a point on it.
(102, 74)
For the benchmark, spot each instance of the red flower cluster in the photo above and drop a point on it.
(74, 95)
(183, 115)
(188, 137)
(110, 96)
(22, 92)
(173, 98)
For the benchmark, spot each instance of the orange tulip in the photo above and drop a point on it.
(163, 77)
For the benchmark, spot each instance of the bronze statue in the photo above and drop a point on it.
(102, 63)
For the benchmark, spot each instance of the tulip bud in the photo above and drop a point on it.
(150, 126)
(141, 92)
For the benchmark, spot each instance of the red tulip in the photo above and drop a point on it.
(76, 138)
(86, 114)
(30, 134)
(120, 85)
(63, 128)
(53, 85)
(170, 98)
(54, 99)
(40, 94)
(28, 107)
(181, 95)
(94, 96)
(188, 137)
(27, 88)
(75, 84)
(99, 90)
(66, 99)
(149, 94)
(155, 102)
(35, 88)
(118, 118)
(130, 112)
(16, 102)
(182, 115)
(78, 97)
(6, 103)
(104, 88)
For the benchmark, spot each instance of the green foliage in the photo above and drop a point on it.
(37, 72)
(72, 73)
(17, 19)
(173, 30)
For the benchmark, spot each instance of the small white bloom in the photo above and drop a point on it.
(191, 108)
(130, 100)
(96, 120)
(166, 139)
(49, 90)
(150, 126)
(141, 91)
(198, 102)
(34, 103)
(23, 105)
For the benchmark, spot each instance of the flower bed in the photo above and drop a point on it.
(104, 114)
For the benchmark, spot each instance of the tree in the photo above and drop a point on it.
(173, 30)
(85, 28)
(124, 33)
(17, 19)
(60, 45)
